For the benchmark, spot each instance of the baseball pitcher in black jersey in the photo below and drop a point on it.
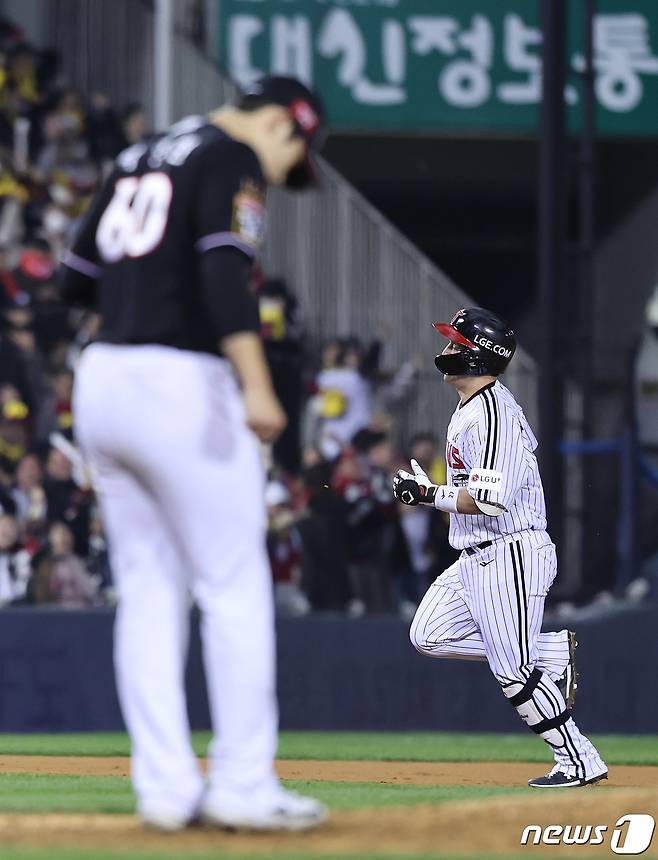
(169, 405)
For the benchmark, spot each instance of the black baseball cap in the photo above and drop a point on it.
(308, 114)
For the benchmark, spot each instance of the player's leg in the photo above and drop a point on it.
(552, 651)
(213, 490)
(508, 604)
(443, 627)
(151, 628)
(150, 647)
(219, 520)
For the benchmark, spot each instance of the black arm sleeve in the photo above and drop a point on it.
(76, 288)
(224, 277)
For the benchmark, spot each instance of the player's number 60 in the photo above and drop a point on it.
(136, 217)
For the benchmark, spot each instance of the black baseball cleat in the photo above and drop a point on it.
(558, 779)
(568, 681)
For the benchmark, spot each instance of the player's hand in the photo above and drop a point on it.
(412, 488)
(264, 414)
(406, 490)
(419, 475)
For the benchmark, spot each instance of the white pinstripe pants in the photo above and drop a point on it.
(490, 605)
(482, 608)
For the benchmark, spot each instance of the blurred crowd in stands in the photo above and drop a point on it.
(54, 149)
(336, 538)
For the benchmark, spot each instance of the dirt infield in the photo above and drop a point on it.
(491, 826)
(485, 827)
(501, 774)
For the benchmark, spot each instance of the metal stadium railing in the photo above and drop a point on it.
(350, 268)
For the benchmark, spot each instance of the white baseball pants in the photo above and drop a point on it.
(180, 483)
(490, 605)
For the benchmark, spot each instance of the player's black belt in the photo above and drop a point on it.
(471, 550)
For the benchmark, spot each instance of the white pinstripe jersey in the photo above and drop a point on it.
(490, 432)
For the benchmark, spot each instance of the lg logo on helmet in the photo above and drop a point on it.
(494, 347)
(632, 834)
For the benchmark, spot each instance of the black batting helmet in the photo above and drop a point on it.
(487, 342)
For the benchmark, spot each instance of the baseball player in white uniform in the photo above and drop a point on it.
(489, 604)
(169, 405)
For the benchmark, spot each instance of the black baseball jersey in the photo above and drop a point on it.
(173, 203)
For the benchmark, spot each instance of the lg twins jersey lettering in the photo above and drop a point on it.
(490, 452)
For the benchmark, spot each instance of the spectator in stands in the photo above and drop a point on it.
(58, 215)
(311, 418)
(330, 353)
(377, 454)
(31, 285)
(62, 382)
(65, 166)
(135, 124)
(343, 401)
(14, 197)
(324, 538)
(423, 447)
(21, 92)
(56, 413)
(13, 366)
(59, 576)
(66, 501)
(63, 128)
(363, 359)
(14, 426)
(284, 550)
(7, 503)
(35, 267)
(363, 477)
(28, 494)
(109, 133)
(391, 392)
(283, 337)
(14, 562)
(23, 77)
(104, 133)
(21, 363)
